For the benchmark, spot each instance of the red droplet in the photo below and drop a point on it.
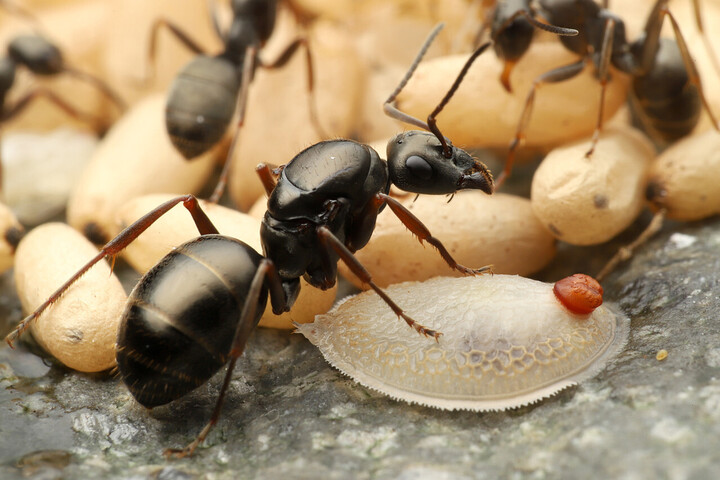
(579, 293)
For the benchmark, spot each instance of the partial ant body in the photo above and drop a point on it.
(666, 91)
(43, 58)
(203, 98)
(194, 311)
(513, 25)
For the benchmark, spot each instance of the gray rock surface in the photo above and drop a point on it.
(289, 415)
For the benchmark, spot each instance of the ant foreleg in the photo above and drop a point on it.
(115, 246)
(330, 241)
(423, 234)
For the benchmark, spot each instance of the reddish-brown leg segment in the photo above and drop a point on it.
(421, 231)
(330, 241)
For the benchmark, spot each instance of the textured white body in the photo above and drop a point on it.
(506, 341)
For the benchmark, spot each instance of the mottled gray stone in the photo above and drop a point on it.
(289, 415)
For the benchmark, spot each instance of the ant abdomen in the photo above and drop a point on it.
(180, 319)
(664, 101)
(209, 85)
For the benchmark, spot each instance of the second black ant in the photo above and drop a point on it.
(206, 92)
(666, 92)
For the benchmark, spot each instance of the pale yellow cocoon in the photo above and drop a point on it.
(477, 230)
(177, 227)
(687, 177)
(135, 158)
(586, 201)
(80, 329)
(483, 114)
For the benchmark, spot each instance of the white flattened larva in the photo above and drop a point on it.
(684, 178)
(135, 158)
(80, 329)
(10, 233)
(586, 201)
(177, 227)
(477, 229)
(506, 342)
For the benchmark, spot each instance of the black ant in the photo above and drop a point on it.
(203, 98)
(193, 312)
(41, 57)
(666, 92)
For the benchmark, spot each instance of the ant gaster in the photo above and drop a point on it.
(203, 98)
(666, 91)
(193, 311)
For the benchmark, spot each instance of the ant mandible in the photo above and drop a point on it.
(193, 312)
(206, 93)
(666, 91)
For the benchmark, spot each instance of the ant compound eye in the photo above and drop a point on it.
(419, 167)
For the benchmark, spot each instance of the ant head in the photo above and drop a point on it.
(37, 54)
(417, 164)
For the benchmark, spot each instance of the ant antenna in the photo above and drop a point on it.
(392, 111)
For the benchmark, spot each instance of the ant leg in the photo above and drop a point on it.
(248, 70)
(330, 241)
(556, 75)
(693, 75)
(624, 253)
(423, 234)
(188, 42)
(265, 273)
(99, 84)
(706, 40)
(24, 101)
(282, 59)
(603, 75)
(116, 245)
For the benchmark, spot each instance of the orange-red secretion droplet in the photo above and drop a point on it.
(579, 293)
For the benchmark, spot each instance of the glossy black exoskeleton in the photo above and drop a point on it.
(43, 58)
(193, 312)
(666, 93)
(203, 98)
